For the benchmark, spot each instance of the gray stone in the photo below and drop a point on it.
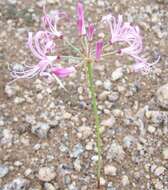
(6, 136)
(125, 180)
(3, 170)
(10, 91)
(84, 132)
(107, 85)
(77, 151)
(117, 74)
(46, 174)
(110, 170)
(17, 184)
(165, 153)
(159, 171)
(162, 96)
(110, 186)
(19, 100)
(109, 122)
(77, 165)
(13, 2)
(157, 117)
(113, 97)
(151, 129)
(129, 141)
(103, 96)
(49, 186)
(41, 129)
(162, 1)
(115, 152)
(72, 187)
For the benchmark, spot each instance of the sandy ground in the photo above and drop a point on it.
(135, 148)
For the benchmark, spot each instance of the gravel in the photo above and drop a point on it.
(17, 184)
(47, 135)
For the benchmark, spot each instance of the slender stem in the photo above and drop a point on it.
(106, 46)
(110, 53)
(70, 57)
(97, 120)
(72, 46)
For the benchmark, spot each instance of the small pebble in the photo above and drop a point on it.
(49, 186)
(125, 180)
(109, 122)
(117, 74)
(165, 153)
(41, 130)
(110, 170)
(162, 96)
(77, 151)
(151, 129)
(3, 171)
(46, 174)
(159, 171)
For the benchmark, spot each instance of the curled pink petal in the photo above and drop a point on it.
(39, 46)
(121, 31)
(63, 72)
(50, 22)
(99, 48)
(143, 66)
(80, 19)
(30, 44)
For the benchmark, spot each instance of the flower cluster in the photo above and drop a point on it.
(121, 32)
(43, 45)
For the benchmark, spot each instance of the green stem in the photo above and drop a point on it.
(70, 57)
(97, 120)
(73, 47)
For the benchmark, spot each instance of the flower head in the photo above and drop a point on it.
(120, 31)
(40, 45)
(123, 32)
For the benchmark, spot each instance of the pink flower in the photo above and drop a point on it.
(121, 31)
(90, 32)
(80, 19)
(50, 22)
(99, 48)
(124, 32)
(41, 46)
(63, 72)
